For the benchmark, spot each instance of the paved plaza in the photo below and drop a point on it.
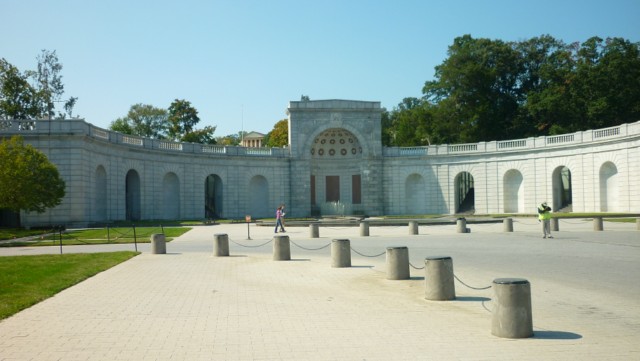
(189, 305)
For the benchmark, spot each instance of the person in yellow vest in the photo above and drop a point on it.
(544, 216)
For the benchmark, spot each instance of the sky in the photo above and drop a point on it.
(241, 62)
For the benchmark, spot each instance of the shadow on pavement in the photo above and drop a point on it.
(556, 335)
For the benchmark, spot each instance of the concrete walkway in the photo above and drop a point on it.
(190, 305)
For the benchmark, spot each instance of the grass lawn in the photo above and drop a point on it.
(99, 236)
(27, 280)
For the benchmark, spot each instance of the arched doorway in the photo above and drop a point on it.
(464, 193)
(415, 194)
(259, 197)
(336, 173)
(132, 194)
(513, 192)
(608, 187)
(171, 196)
(213, 197)
(562, 193)
(100, 199)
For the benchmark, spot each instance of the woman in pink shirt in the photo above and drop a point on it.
(279, 215)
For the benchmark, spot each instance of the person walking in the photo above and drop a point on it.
(279, 215)
(544, 216)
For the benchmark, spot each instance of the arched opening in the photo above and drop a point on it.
(464, 193)
(259, 197)
(562, 193)
(336, 173)
(132, 194)
(513, 192)
(100, 199)
(171, 196)
(415, 194)
(213, 197)
(608, 187)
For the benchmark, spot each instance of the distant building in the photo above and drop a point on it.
(253, 140)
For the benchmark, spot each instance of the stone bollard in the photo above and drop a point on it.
(413, 227)
(364, 229)
(438, 274)
(220, 245)
(462, 225)
(340, 253)
(397, 263)
(281, 248)
(314, 231)
(511, 315)
(555, 224)
(507, 225)
(158, 244)
(597, 224)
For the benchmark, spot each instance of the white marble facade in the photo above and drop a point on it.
(334, 164)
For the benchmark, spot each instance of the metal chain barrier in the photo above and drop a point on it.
(364, 255)
(415, 266)
(526, 223)
(247, 246)
(309, 249)
(473, 288)
(580, 222)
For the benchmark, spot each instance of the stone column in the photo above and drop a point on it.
(281, 248)
(507, 224)
(438, 274)
(413, 227)
(340, 253)
(597, 224)
(364, 229)
(220, 245)
(314, 231)
(462, 225)
(555, 224)
(397, 263)
(511, 316)
(158, 244)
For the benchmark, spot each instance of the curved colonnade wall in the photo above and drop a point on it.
(334, 164)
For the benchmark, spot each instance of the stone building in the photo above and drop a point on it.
(335, 164)
(252, 139)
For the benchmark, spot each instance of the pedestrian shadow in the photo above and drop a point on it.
(556, 335)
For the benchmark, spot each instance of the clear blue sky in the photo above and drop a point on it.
(241, 62)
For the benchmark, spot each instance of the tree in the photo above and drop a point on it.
(143, 120)
(479, 81)
(20, 99)
(17, 97)
(182, 119)
(279, 135)
(231, 139)
(48, 83)
(28, 180)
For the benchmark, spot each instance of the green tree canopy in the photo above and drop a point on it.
(143, 120)
(182, 119)
(17, 97)
(28, 180)
(20, 99)
(279, 135)
(493, 90)
(231, 139)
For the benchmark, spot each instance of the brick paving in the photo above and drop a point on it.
(190, 305)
